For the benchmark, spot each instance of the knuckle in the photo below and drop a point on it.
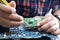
(49, 18)
(53, 28)
(54, 33)
(21, 18)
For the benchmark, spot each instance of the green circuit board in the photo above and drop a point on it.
(32, 22)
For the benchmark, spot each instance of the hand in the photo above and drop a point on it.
(8, 15)
(49, 24)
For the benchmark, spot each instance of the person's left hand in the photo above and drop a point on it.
(49, 24)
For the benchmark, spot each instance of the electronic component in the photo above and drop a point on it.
(20, 32)
(31, 23)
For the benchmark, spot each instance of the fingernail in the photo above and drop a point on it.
(39, 29)
(21, 18)
(13, 9)
(38, 24)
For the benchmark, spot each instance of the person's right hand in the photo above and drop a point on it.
(8, 15)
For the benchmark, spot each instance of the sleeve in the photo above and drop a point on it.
(56, 5)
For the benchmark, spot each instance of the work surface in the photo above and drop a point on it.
(22, 33)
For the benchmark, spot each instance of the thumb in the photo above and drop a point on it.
(49, 13)
(13, 4)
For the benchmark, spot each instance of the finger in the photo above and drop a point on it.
(9, 23)
(15, 17)
(57, 32)
(13, 4)
(48, 25)
(45, 26)
(7, 9)
(4, 14)
(13, 24)
(52, 29)
(46, 20)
